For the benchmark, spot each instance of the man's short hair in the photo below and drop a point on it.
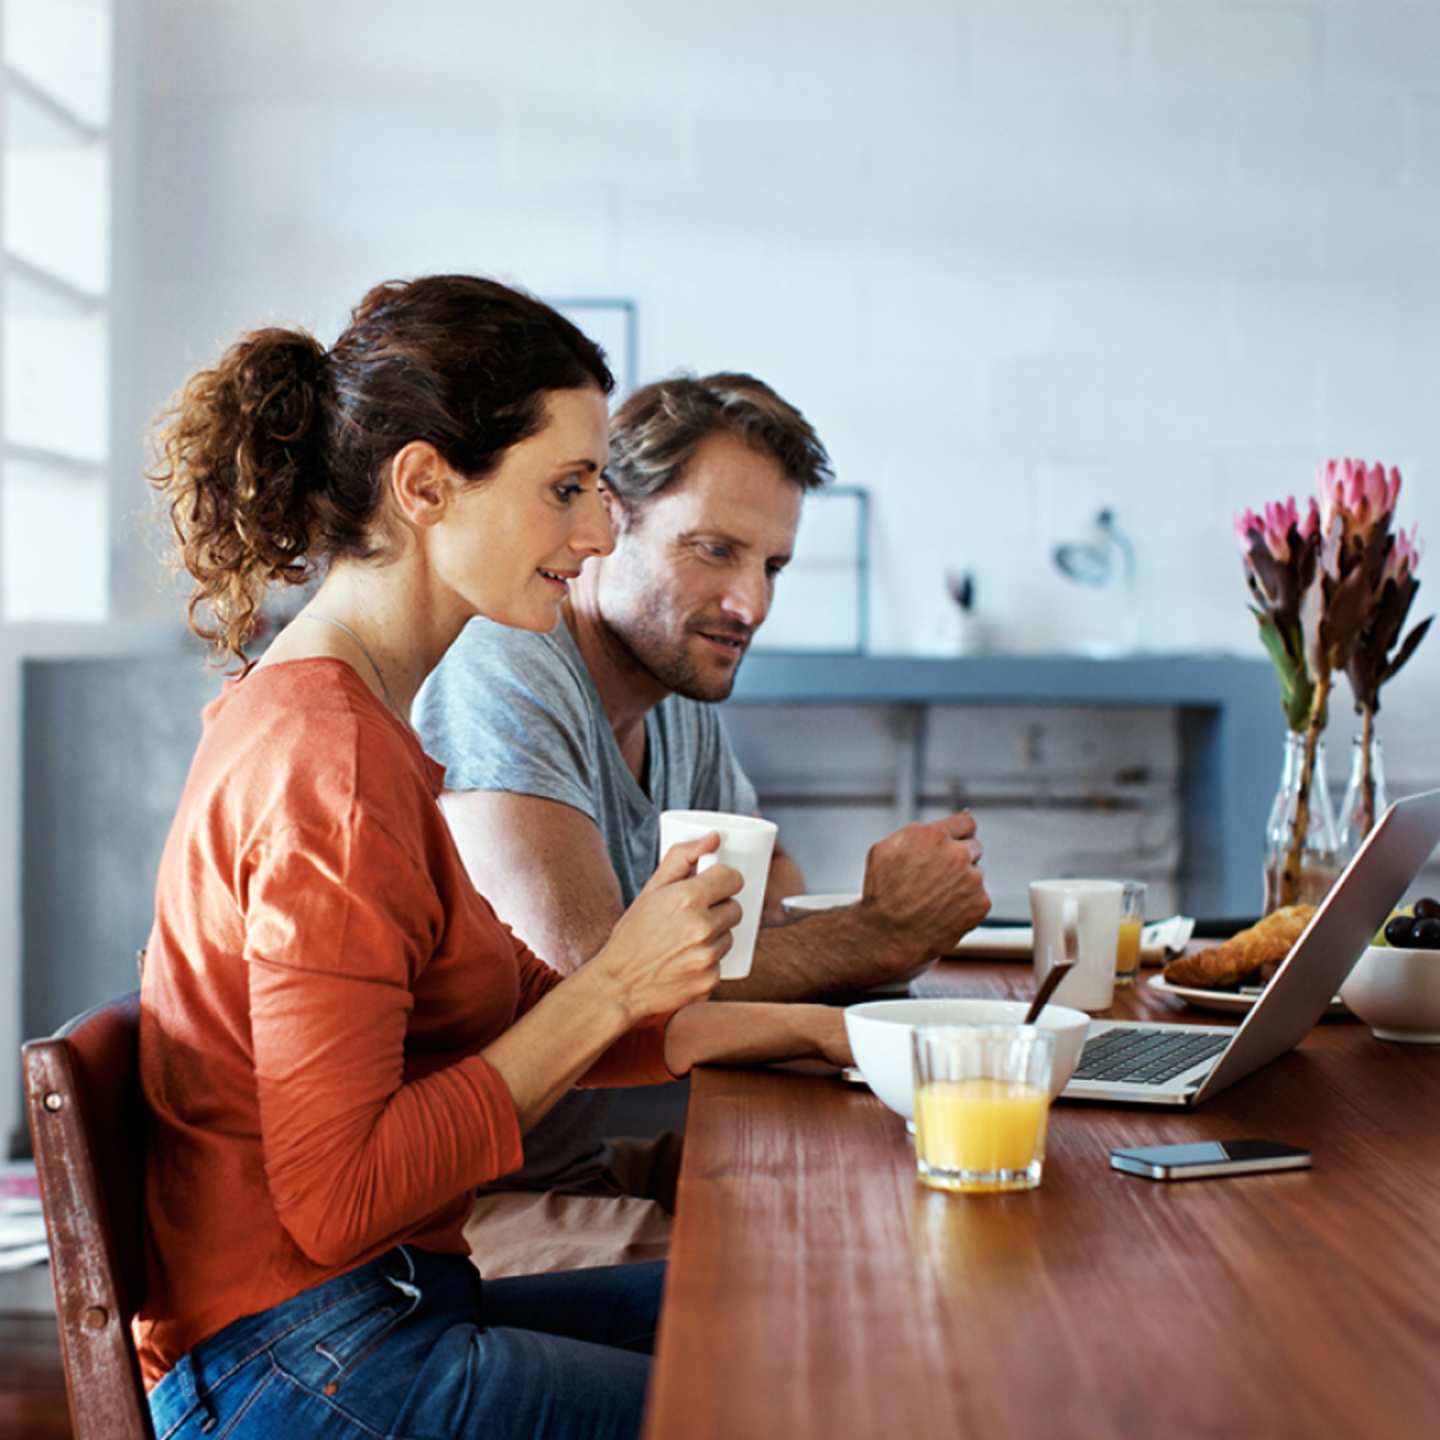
(654, 434)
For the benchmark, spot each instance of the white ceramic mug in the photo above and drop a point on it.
(1079, 918)
(746, 843)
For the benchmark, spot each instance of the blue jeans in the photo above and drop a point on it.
(411, 1345)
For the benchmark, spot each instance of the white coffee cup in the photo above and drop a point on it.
(746, 843)
(1079, 918)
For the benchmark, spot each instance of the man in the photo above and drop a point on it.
(562, 749)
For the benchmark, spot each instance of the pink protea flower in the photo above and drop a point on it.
(1365, 583)
(1355, 496)
(1280, 549)
(1280, 522)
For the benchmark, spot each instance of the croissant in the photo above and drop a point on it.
(1251, 955)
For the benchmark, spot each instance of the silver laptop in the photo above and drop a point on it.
(1147, 1063)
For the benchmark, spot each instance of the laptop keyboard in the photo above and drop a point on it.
(1145, 1057)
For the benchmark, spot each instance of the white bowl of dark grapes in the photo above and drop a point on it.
(1395, 985)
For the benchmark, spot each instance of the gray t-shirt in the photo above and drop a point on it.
(517, 711)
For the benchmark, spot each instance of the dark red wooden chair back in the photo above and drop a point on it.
(87, 1124)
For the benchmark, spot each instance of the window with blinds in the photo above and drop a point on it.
(55, 309)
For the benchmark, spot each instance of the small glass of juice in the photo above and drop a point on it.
(982, 1097)
(1132, 922)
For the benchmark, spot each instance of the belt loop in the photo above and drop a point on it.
(211, 1419)
(196, 1398)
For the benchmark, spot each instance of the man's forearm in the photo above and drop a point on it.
(841, 949)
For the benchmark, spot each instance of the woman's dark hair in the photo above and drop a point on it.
(274, 459)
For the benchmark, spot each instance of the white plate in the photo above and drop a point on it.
(808, 904)
(1229, 1002)
(1000, 942)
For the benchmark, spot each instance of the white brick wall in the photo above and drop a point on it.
(1017, 258)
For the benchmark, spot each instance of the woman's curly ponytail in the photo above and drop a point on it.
(240, 455)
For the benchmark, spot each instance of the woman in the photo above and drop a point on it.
(339, 1040)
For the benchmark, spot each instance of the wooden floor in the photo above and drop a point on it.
(32, 1387)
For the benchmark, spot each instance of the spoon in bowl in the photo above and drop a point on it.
(1046, 990)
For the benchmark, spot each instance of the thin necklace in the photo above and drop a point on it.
(379, 674)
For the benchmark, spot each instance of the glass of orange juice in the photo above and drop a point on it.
(982, 1097)
(1132, 922)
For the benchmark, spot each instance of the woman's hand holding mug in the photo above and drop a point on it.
(665, 950)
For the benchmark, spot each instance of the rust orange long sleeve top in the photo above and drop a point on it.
(317, 986)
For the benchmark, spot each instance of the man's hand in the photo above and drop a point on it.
(925, 882)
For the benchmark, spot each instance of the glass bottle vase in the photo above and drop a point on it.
(1320, 850)
(1353, 816)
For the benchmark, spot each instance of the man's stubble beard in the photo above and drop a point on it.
(652, 650)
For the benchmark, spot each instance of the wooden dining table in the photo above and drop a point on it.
(817, 1292)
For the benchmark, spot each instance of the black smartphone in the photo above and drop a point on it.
(1205, 1159)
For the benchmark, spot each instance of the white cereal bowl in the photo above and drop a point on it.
(1396, 992)
(880, 1030)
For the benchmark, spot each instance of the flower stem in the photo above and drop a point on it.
(1300, 827)
(1367, 770)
